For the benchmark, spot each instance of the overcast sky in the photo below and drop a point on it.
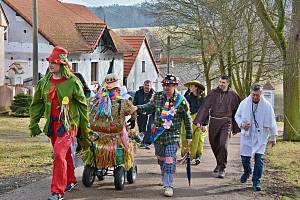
(103, 2)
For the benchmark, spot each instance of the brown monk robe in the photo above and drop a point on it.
(221, 107)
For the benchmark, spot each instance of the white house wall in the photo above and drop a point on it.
(1, 55)
(18, 46)
(136, 77)
(103, 59)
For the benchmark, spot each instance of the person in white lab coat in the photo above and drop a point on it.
(255, 116)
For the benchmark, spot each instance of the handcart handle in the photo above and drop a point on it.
(95, 135)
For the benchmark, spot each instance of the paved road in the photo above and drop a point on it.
(204, 183)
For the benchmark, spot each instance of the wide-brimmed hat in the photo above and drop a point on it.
(111, 81)
(170, 79)
(196, 83)
(59, 55)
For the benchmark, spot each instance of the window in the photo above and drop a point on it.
(94, 71)
(111, 67)
(5, 35)
(143, 66)
(125, 81)
(75, 67)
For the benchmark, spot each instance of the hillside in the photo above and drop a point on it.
(117, 16)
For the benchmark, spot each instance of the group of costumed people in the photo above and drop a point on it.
(60, 97)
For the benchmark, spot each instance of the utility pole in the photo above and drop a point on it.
(35, 69)
(168, 53)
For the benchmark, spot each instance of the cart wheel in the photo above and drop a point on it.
(119, 174)
(131, 174)
(88, 176)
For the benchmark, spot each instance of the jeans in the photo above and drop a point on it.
(258, 168)
(246, 161)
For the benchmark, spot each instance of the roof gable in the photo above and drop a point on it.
(135, 41)
(91, 32)
(268, 86)
(121, 45)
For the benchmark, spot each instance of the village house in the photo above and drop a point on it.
(93, 50)
(140, 65)
(3, 26)
(186, 69)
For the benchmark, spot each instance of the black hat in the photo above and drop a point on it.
(170, 79)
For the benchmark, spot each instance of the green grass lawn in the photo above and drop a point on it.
(284, 158)
(20, 153)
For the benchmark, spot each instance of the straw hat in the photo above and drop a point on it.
(196, 83)
(111, 81)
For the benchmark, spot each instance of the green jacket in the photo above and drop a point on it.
(41, 104)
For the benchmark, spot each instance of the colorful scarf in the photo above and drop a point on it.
(103, 103)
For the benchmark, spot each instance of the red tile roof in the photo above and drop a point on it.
(71, 26)
(135, 41)
(82, 13)
(120, 44)
(91, 32)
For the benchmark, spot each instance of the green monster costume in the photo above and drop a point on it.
(198, 136)
(78, 108)
(197, 145)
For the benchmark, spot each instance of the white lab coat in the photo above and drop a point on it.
(256, 138)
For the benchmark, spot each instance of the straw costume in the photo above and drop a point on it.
(107, 117)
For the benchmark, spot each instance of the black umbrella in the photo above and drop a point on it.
(188, 168)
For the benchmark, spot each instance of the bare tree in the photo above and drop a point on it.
(290, 54)
(225, 36)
